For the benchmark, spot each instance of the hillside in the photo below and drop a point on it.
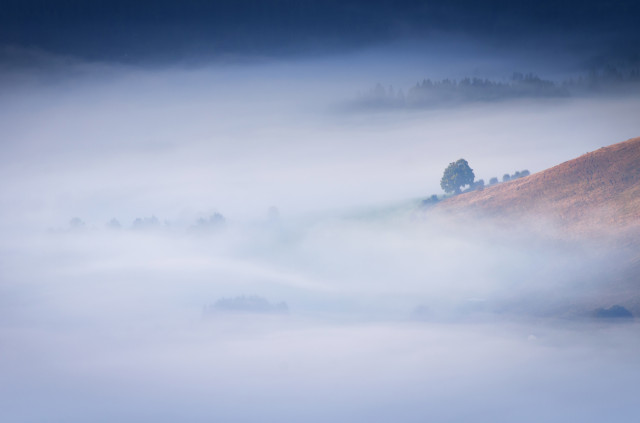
(598, 192)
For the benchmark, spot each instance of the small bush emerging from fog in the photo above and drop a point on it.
(613, 312)
(146, 223)
(76, 224)
(246, 304)
(215, 221)
(430, 201)
(114, 224)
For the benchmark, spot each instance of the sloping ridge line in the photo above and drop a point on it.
(598, 188)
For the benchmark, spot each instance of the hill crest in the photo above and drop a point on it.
(596, 192)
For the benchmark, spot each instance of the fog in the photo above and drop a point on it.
(258, 183)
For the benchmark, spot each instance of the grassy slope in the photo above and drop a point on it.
(596, 192)
(595, 196)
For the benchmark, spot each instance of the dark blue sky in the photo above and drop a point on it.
(167, 30)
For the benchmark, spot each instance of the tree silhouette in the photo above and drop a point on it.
(457, 175)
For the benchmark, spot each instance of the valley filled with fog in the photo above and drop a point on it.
(237, 243)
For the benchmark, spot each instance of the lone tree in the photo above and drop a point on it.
(456, 175)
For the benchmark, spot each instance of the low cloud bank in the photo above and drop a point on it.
(132, 198)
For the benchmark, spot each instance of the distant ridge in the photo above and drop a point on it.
(596, 192)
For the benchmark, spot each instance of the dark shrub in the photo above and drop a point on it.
(431, 200)
(613, 312)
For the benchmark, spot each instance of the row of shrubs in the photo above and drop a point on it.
(506, 177)
(479, 184)
(214, 221)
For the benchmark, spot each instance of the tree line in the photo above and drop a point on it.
(428, 93)
(459, 174)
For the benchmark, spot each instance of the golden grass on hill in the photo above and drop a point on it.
(596, 192)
